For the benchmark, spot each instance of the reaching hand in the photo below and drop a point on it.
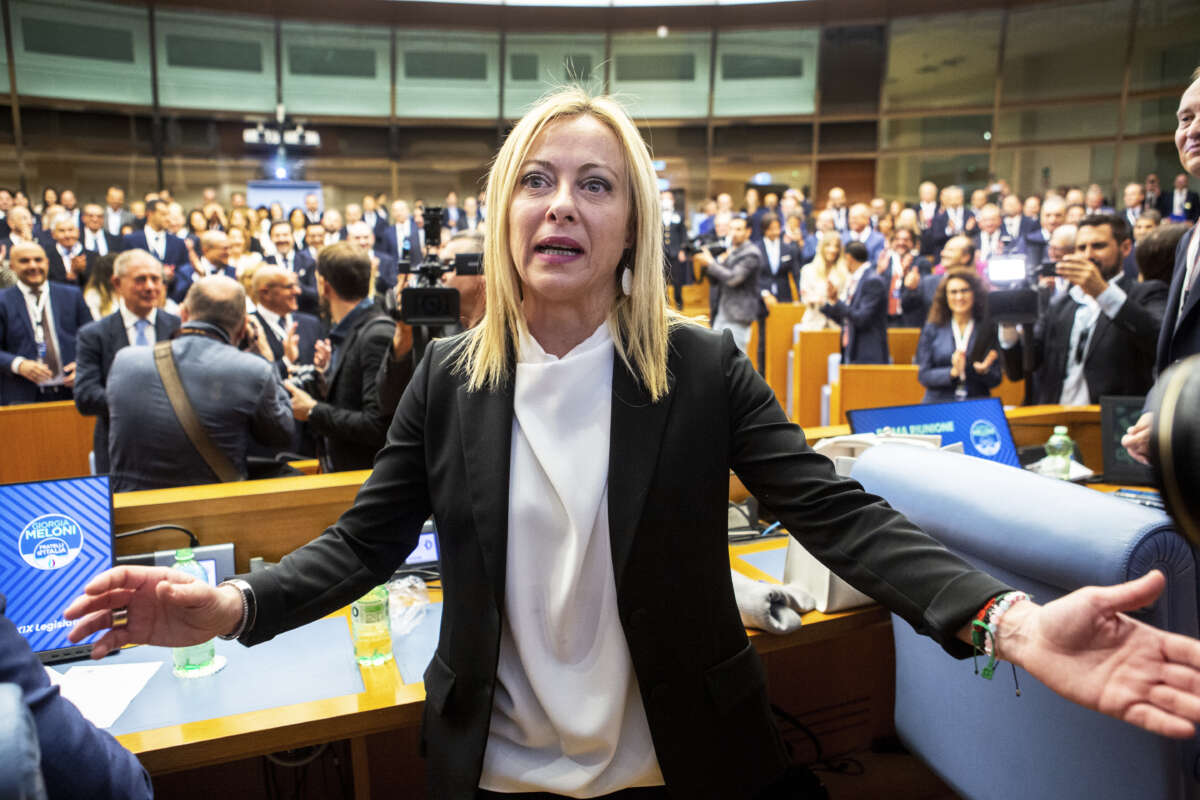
(1084, 648)
(912, 279)
(69, 375)
(165, 607)
(302, 402)
(1136, 440)
(402, 340)
(321, 354)
(34, 371)
(983, 366)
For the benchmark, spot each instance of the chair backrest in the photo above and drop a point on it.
(20, 756)
(1048, 538)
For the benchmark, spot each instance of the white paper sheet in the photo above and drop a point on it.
(102, 692)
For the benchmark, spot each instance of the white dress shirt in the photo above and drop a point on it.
(35, 307)
(567, 715)
(130, 319)
(96, 241)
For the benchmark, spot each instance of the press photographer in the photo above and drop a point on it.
(1098, 337)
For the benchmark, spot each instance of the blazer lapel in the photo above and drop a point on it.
(18, 310)
(486, 418)
(635, 437)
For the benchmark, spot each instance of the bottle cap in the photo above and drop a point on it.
(184, 554)
(1060, 430)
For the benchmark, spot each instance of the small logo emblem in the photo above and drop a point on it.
(50, 541)
(985, 438)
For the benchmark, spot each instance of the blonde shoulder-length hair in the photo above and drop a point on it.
(640, 320)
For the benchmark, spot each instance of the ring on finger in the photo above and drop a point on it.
(120, 617)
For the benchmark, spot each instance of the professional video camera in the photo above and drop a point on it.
(704, 240)
(430, 303)
(1014, 296)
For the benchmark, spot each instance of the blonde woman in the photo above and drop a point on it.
(815, 277)
(239, 256)
(575, 450)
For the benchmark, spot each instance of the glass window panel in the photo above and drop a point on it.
(1057, 122)
(445, 66)
(523, 66)
(966, 131)
(745, 139)
(682, 91)
(3, 61)
(556, 59)
(60, 38)
(228, 62)
(1066, 50)
(1166, 46)
(1156, 115)
(110, 63)
(765, 72)
(341, 81)
(898, 177)
(1139, 159)
(847, 137)
(203, 52)
(344, 62)
(1036, 170)
(455, 95)
(851, 68)
(947, 60)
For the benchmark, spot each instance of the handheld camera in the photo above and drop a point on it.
(430, 303)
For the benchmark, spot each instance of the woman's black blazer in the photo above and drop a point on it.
(701, 681)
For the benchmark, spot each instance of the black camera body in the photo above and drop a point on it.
(1014, 297)
(430, 303)
(705, 240)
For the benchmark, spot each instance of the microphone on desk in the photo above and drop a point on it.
(1175, 445)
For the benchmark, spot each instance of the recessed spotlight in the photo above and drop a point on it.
(662, 31)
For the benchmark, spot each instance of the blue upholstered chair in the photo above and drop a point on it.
(1047, 538)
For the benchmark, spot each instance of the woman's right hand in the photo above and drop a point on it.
(958, 364)
(164, 607)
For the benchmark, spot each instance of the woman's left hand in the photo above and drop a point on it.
(1084, 648)
(983, 366)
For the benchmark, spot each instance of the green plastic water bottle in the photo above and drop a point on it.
(198, 660)
(371, 628)
(1059, 449)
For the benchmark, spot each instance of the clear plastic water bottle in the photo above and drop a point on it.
(370, 627)
(198, 660)
(1059, 449)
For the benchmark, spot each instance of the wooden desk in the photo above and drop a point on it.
(44, 441)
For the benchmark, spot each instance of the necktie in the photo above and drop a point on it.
(51, 355)
(140, 328)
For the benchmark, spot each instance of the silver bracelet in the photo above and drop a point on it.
(248, 607)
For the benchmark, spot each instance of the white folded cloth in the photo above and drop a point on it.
(770, 607)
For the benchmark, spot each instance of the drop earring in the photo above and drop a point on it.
(626, 275)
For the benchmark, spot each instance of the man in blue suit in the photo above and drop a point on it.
(214, 260)
(864, 316)
(953, 219)
(860, 230)
(1014, 225)
(1179, 336)
(138, 280)
(383, 265)
(375, 217)
(291, 335)
(156, 240)
(78, 759)
(297, 262)
(1037, 240)
(38, 324)
(405, 237)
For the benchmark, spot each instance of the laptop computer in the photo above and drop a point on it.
(55, 536)
(426, 559)
(979, 424)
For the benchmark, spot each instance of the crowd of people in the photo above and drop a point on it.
(864, 267)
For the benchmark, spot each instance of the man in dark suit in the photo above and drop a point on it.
(451, 213)
(1179, 336)
(375, 217)
(298, 262)
(116, 216)
(674, 232)
(138, 281)
(384, 267)
(918, 290)
(1185, 204)
(347, 421)
(893, 266)
(1098, 338)
(470, 219)
(69, 261)
(1014, 223)
(1134, 198)
(837, 205)
(863, 316)
(20, 222)
(312, 209)
(405, 238)
(291, 335)
(1093, 201)
(860, 230)
(1155, 197)
(991, 238)
(214, 260)
(156, 240)
(39, 321)
(77, 758)
(952, 220)
(1037, 240)
(781, 260)
(95, 237)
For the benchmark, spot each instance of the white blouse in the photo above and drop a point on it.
(567, 717)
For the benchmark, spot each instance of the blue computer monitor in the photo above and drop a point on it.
(55, 536)
(979, 424)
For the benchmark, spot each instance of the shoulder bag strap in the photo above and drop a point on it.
(217, 460)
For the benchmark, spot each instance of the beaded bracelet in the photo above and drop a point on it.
(983, 633)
